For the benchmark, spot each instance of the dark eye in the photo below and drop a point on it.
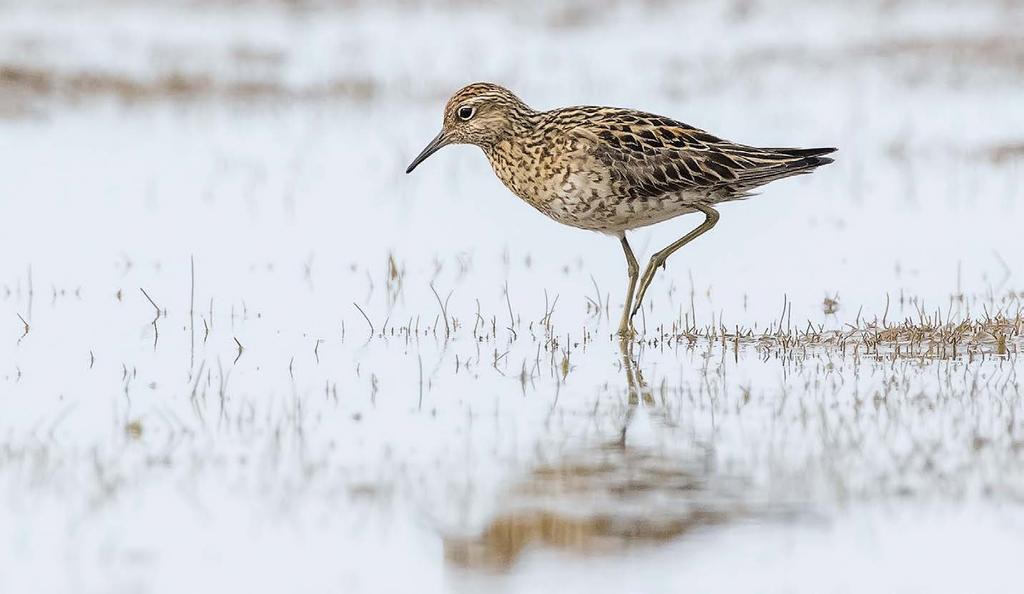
(466, 112)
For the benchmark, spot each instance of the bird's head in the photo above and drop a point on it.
(482, 114)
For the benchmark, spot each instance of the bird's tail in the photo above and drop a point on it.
(804, 158)
(777, 163)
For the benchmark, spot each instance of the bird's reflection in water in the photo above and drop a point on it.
(636, 387)
(606, 498)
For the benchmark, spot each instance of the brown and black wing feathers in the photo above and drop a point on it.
(651, 156)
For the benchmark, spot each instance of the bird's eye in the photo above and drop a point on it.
(466, 112)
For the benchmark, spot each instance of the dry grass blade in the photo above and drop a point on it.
(156, 330)
(444, 309)
(27, 328)
(365, 317)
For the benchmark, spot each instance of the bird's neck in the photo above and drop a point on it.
(521, 127)
(514, 156)
(523, 121)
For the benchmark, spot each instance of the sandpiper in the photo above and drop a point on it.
(610, 169)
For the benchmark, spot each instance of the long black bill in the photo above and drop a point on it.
(438, 142)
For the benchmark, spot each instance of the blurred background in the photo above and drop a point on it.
(240, 348)
(293, 121)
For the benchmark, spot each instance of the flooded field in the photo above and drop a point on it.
(241, 350)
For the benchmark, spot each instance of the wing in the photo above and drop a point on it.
(650, 156)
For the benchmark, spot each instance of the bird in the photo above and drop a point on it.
(612, 170)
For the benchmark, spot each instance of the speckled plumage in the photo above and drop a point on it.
(609, 169)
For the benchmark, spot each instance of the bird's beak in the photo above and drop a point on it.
(437, 143)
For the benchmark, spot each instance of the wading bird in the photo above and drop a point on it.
(612, 170)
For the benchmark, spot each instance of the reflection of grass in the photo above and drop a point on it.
(882, 408)
(877, 409)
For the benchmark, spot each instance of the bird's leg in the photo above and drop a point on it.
(633, 268)
(659, 258)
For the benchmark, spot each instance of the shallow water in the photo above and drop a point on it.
(240, 349)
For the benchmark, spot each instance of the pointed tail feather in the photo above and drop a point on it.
(798, 152)
(796, 158)
(786, 162)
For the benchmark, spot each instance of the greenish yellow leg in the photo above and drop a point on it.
(633, 268)
(659, 258)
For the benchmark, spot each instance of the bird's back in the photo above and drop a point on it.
(611, 169)
(653, 154)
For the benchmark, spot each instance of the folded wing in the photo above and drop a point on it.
(650, 156)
